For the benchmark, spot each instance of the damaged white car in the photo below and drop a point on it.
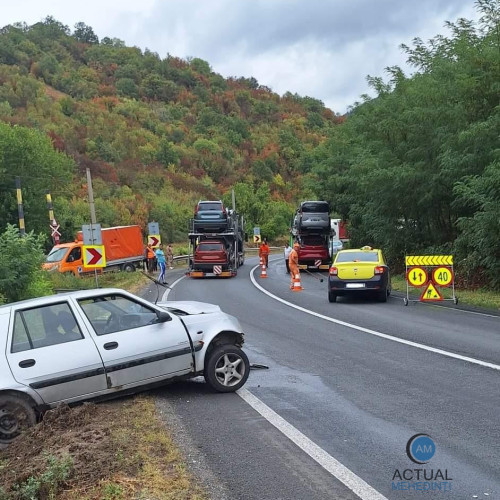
(94, 343)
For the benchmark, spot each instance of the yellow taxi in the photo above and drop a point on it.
(359, 270)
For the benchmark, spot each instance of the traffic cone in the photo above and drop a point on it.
(263, 272)
(297, 287)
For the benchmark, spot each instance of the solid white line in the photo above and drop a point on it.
(373, 332)
(330, 464)
(168, 290)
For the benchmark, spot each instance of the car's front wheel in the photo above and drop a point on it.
(16, 415)
(227, 368)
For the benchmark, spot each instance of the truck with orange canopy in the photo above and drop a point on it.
(123, 245)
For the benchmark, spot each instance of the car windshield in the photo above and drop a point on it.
(210, 206)
(210, 247)
(357, 257)
(315, 207)
(56, 254)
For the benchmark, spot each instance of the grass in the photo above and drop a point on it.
(150, 465)
(487, 299)
(132, 282)
(119, 450)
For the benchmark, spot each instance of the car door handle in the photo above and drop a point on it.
(26, 363)
(110, 345)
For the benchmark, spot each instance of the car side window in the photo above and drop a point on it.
(75, 254)
(115, 313)
(44, 326)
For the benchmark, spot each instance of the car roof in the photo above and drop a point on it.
(362, 249)
(49, 299)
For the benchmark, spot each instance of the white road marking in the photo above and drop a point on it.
(373, 332)
(330, 464)
(168, 290)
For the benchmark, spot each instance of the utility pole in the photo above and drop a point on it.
(93, 220)
(91, 199)
(22, 229)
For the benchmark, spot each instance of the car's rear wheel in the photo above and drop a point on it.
(227, 368)
(16, 415)
(382, 295)
(332, 297)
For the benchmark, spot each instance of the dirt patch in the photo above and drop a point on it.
(114, 450)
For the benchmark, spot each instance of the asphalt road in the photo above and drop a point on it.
(356, 395)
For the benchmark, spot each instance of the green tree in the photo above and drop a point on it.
(85, 34)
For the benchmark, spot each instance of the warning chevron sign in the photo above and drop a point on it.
(430, 293)
(429, 260)
(94, 256)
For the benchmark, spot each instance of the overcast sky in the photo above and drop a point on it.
(319, 48)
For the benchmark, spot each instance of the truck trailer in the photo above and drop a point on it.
(123, 246)
(217, 254)
(312, 229)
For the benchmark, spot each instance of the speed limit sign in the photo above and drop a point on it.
(442, 276)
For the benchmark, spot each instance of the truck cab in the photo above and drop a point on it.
(66, 258)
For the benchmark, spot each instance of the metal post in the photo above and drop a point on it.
(22, 229)
(93, 219)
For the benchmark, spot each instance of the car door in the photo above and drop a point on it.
(52, 353)
(136, 349)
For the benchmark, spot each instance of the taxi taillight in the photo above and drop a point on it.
(334, 271)
(380, 270)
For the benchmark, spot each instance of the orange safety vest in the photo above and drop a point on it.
(264, 250)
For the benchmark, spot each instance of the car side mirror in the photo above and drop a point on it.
(162, 316)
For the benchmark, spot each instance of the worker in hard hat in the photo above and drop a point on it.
(293, 262)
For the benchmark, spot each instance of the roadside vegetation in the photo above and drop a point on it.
(116, 450)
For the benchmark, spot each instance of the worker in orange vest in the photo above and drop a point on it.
(150, 256)
(264, 252)
(293, 262)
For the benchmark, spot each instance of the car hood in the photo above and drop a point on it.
(189, 307)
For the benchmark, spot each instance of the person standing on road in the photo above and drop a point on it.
(264, 252)
(150, 255)
(160, 258)
(170, 256)
(293, 262)
(286, 253)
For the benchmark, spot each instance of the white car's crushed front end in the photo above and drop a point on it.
(205, 322)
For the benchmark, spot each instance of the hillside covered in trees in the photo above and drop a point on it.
(157, 134)
(413, 169)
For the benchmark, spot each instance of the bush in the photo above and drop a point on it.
(21, 259)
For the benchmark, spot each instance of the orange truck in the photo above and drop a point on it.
(124, 250)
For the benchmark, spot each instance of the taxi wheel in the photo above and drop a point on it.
(382, 295)
(332, 297)
(16, 415)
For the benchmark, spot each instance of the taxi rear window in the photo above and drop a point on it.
(357, 257)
